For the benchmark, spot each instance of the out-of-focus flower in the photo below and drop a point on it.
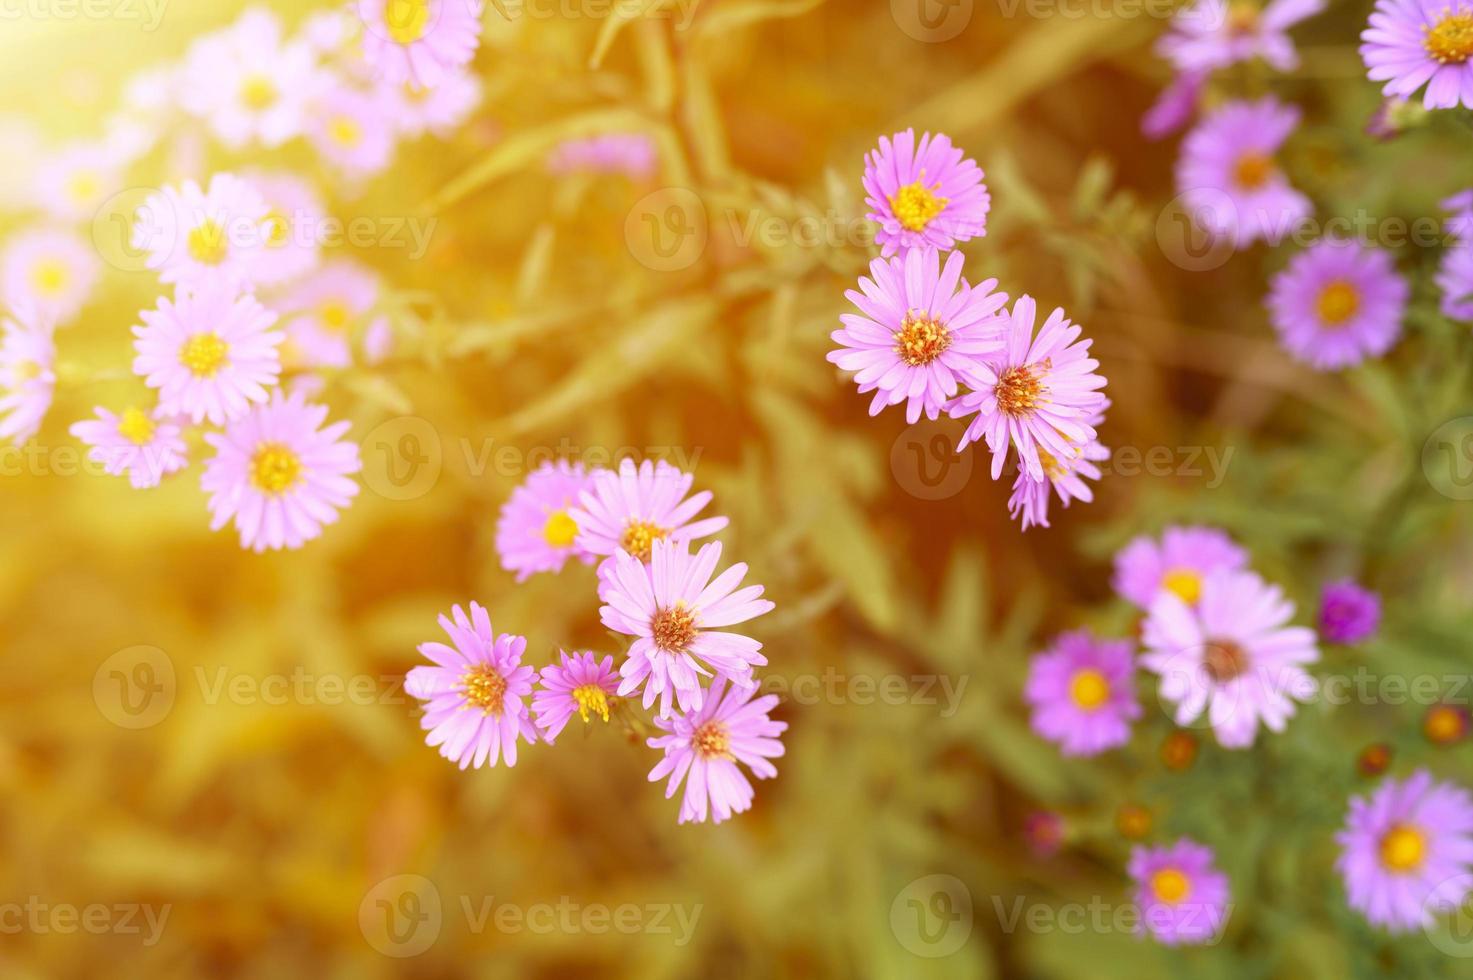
(1411, 43)
(211, 352)
(292, 231)
(351, 130)
(1179, 751)
(1082, 692)
(419, 41)
(1177, 563)
(27, 373)
(192, 235)
(1037, 394)
(1445, 724)
(676, 611)
(1029, 502)
(579, 684)
(1181, 895)
(1228, 178)
(1374, 759)
(1133, 821)
(1394, 117)
(1407, 851)
(1348, 612)
(1044, 831)
(1232, 656)
(279, 474)
(1455, 272)
(474, 709)
(702, 748)
(632, 509)
(1338, 303)
(49, 270)
(630, 154)
(147, 446)
(1211, 34)
(438, 111)
(1175, 106)
(73, 182)
(919, 331)
(323, 311)
(924, 196)
(536, 531)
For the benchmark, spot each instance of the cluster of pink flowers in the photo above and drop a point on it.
(927, 337)
(639, 522)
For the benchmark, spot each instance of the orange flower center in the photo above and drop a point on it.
(484, 688)
(640, 537)
(1338, 302)
(673, 629)
(1403, 848)
(1253, 170)
(1224, 661)
(712, 741)
(915, 205)
(920, 339)
(1088, 689)
(1018, 390)
(1170, 885)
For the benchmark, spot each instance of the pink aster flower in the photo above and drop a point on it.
(631, 154)
(1029, 502)
(75, 181)
(147, 446)
(474, 710)
(1037, 394)
(49, 270)
(1176, 105)
(926, 196)
(702, 749)
(292, 231)
(676, 613)
(438, 111)
(536, 531)
(324, 311)
(210, 352)
(191, 234)
(1183, 898)
(1232, 655)
(1212, 34)
(419, 41)
(27, 374)
(1338, 303)
(635, 507)
(1411, 43)
(580, 683)
(1455, 281)
(351, 130)
(1082, 693)
(1177, 563)
(1227, 174)
(1348, 612)
(1407, 851)
(918, 332)
(279, 473)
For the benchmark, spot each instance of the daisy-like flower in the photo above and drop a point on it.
(1407, 851)
(702, 749)
(211, 352)
(73, 183)
(1183, 898)
(918, 332)
(1037, 394)
(632, 509)
(292, 231)
(324, 311)
(580, 683)
(1411, 43)
(439, 111)
(1348, 612)
(474, 709)
(1233, 656)
(1228, 177)
(192, 235)
(49, 270)
(352, 132)
(1082, 693)
(1030, 499)
(419, 41)
(147, 446)
(248, 84)
(1175, 106)
(676, 613)
(1212, 34)
(536, 531)
(1338, 303)
(27, 374)
(631, 154)
(926, 196)
(1177, 563)
(279, 473)
(1455, 281)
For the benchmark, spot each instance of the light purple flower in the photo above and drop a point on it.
(924, 196)
(193, 235)
(1232, 655)
(326, 311)
(1455, 272)
(1029, 502)
(632, 509)
(702, 749)
(1348, 612)
(918, 332)
(353, 131)
(73, 182)
(1407, 852)
(631, 154)
(419, 41)
(536, 531)
(1183, 898)
(1082, 692)
(50, 271)
(1175, 106)
(1212, 34)
(27, 373)
(1411, 43)
(438, 111)
(580, 683)
(147, 446)
(676, 612)
(293, 229)
(1338, 303)
(474, 691)
(1177, 563)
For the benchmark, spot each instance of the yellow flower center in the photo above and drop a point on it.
(207, 243)
(277, 229)
(335, 315)
(1089, 689)
(345, 130)
(203, 354)
(1224, 660)
(712, 741)
(258, 93)
(275, 468)
(1170, 886)
(591, 697)
(1444, 724)
(1403, 848)
(484, 688)
(640, 537)
(1018, 390)
(84, 186)
(920, 339)
(135, 426)
(1338, 302)
(1253, 170)
(915, 205)
(673, 629)
(22, 372)
(50, 276)
(1450, 41)
(407, 20)
(560, 529)
(1185, 583)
